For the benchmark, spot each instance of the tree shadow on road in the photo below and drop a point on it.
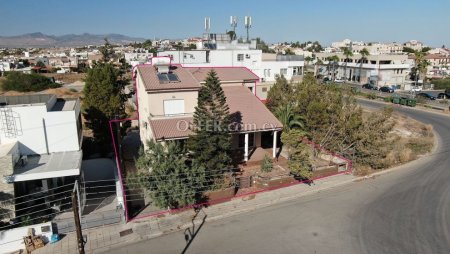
(191, 232)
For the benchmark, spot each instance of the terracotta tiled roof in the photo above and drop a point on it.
(225, 74)
(436, 56)
(249, 111)
(249, 114)
(171, 128)
(151, 82)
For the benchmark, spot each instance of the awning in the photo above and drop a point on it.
(46, 166)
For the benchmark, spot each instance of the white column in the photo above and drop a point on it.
(274, 152)
(246, 147)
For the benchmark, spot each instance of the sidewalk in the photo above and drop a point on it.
(104, 238)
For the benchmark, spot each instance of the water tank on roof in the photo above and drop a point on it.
(162, 64)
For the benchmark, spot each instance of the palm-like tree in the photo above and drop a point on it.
(364, 53)
(287, 116)
(347, 53)
(316, 66)
(421, 63)
(308, 60)
(332, 64)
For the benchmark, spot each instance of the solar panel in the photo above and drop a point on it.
(163, 78)
(173, 77)
(168, 78)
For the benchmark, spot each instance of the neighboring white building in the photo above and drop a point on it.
(383, 70)
(40, 144)
(414, 44)
(219, 51)
(138, 58)
(4, 66)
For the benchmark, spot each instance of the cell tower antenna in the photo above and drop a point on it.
(248, 25)
(207, 24)
(233, 23)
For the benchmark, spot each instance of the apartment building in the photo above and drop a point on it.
(167, 96)
(383, 70)
(40, 146)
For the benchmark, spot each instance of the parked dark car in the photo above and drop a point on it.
(426, 96)
(369, 86)
(443, 96)
(386, 89)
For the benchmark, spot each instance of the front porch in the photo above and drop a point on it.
(253, 146)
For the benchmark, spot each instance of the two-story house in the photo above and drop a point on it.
(167, 97)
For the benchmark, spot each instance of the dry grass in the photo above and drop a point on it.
(406, 155)
(66, 78)
(409, 140)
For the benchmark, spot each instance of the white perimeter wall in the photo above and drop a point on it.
(12, 240)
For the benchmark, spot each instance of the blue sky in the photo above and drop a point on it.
(289, 20)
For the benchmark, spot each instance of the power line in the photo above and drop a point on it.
(28, 207)
(48, 208)
(45, 216)
(34, 193)
(43, 197)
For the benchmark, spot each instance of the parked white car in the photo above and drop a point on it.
(416, 88)
(338, 80)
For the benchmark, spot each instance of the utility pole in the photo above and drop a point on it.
(76, 215)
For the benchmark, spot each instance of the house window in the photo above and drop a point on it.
(240, 57)
(283, 71)
(247, 56)
(266, 72)
(264, 89)
(173, 107)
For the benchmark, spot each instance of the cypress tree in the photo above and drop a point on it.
(211, 143)
(103, 100)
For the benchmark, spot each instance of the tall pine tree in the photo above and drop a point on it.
(211, 143)
(103, 100)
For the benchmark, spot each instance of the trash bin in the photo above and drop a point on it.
(396, 100)
(402, 101)
(411, 102)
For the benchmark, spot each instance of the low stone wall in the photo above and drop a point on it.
(325, 171)
(220, 195)
(267, 183)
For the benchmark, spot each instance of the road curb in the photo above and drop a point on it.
(422, 109)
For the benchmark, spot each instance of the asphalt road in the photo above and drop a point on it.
(405, 211)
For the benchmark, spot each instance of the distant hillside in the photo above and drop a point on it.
(68, 40)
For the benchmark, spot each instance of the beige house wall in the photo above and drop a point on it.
(156, 101)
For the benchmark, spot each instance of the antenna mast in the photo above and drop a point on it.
(248, 25)
(233, 23)
(207, 28)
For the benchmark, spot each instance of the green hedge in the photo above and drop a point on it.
(441, 84)
(17, 81)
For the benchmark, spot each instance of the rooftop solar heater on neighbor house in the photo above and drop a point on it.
(173, 77)
(167, 78)
(163, 78)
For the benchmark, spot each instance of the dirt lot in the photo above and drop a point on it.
(409, 140)
(66, 78)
